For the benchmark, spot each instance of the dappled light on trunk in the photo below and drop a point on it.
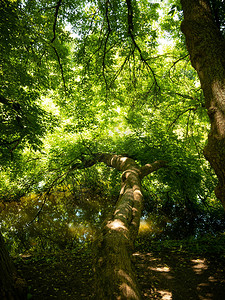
(115, 278)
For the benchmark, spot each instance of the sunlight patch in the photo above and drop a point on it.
(166, 295)
(116, 225)
(212, 279)
(123, 159)
(200, 265)
(160, 269)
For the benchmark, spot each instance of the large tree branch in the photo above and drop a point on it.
(150, 168)
(115, 278)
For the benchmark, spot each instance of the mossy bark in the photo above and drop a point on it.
(115, 278)
(206, 47)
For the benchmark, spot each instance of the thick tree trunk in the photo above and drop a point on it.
(114, 274)
(12, 287)
(206, 47)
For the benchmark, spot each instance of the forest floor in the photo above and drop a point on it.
(169, 273)
(180, 276)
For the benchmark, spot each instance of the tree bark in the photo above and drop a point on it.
(115, 278)
(12, 287)
(206, 47)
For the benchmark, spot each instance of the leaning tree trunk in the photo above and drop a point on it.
(206, 47)
(114, 275)
(12, 287)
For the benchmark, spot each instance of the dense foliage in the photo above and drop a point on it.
(80, 77)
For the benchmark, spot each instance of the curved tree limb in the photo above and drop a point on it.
(115, 278)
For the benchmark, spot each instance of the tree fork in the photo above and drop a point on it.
(115, 278)
(206, 47)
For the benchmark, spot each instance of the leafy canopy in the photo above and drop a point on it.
(80, 77)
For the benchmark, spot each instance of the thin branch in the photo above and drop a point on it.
(185, 96)
(179, 59)
(196, 99)
(14, 147)
(85, 39)
(174, 64)
(100, 41)
(53, 39)
(48, 7)
(188, 120)
(131, 33)
(106, 40)
(180, 114)
(121, 68)
(61, 68)
(47, 192)
(38, 213)
(55, 21)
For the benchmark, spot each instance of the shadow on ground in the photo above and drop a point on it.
(162, 275)
(180, 276)
(63, 275)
